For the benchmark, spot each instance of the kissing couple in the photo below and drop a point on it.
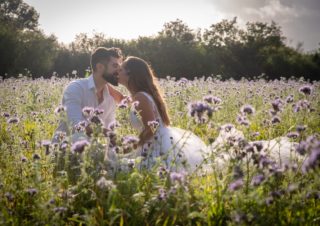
(177, 149)
(148, 112)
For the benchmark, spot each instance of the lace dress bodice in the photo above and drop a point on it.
(135, 118)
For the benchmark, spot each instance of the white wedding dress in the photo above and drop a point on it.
(182, 151)
(174, 148)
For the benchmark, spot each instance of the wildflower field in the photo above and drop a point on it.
(45, 183)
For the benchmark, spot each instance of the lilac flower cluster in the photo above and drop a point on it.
(311, 145)
(247, 109)
(201, 111)
(302, 105)
(59, 109)
(79, 146)
(212, 99)
(125, 102)
(129, 143)
(306, 90)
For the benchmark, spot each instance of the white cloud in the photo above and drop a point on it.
(274, 10)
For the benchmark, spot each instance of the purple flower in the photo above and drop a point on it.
(63, 146)
(247, 109)
(126, 140)
(153, 124)
(212, 99)
(258, 145)
(255, 134)
(98, 111)
(131, 163)
(236, 185)
(96, 120)
(301, 105)
(245, 123)
(289, 99)
(264, 161)
(198, 109)
(36, 156)
(257, 180)
(277, 104)
(59, 109)
(227, 127)
(302, 148)
(182, 81)
(13, 120)
(87, 111)
(179, 177)
(313, 161)
(46, 144)
(24, 159)
(123, 105)
(301, 128)
(81, 126)
(32, 191)
(162, 194)
(59, 135)
(79, 146)
(313, 195)
(249, 148)
(112, 125)
(306, 90)
(275, 119)
(125, 102)
(135, 104)
(293, 135)
(162, 172)
(312, 140)
(6, 115)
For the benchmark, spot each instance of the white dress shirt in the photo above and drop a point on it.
(81, 93)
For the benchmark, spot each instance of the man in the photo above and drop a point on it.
(93, 92)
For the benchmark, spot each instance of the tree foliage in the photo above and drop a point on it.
(177, 50)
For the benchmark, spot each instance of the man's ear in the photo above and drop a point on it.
(99, 67)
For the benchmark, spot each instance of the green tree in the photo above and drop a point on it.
(18, 14)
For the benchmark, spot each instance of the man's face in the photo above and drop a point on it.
(110, 72)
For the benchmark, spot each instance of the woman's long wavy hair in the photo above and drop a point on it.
(142, 78)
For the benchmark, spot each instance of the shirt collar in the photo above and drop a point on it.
(91, 84)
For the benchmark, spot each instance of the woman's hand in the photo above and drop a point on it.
(145, 135)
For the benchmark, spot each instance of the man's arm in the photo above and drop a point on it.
(72, 101)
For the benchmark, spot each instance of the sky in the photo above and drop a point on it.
(129, 19)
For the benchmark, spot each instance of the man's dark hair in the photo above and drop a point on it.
(102, 54)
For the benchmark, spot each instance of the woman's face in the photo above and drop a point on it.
(123, 75)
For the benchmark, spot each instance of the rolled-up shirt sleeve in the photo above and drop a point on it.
(72, 100)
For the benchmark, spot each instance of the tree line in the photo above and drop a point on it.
(224, 49)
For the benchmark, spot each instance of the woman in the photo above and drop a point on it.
(178, 149)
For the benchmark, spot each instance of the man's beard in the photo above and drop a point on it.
(111, 78)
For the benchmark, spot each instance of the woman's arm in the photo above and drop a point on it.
(117, 96)
(144, 108)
